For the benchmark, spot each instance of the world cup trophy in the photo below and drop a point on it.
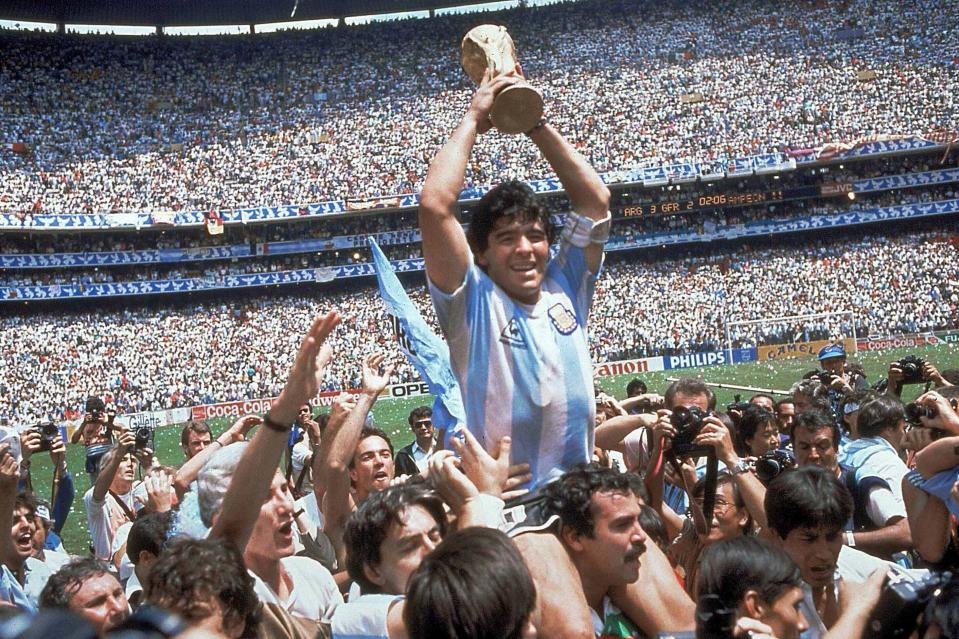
(517, 108)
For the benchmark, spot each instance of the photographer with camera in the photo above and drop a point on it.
(929, 489)
(46, 438)
(95, 433)
(835, 378)
(912, 370)
(110, 502)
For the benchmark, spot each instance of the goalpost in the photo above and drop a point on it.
(840, 325)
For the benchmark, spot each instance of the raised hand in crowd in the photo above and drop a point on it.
(250, 483)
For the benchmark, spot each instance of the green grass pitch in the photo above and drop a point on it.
(391, 414)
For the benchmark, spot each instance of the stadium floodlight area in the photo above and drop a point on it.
(837, 326)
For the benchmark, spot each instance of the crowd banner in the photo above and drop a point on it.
(898, 341)
(650, 176)
(800, 350)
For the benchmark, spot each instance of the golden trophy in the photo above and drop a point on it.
(517, 108)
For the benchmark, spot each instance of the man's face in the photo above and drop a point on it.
(23, 530)
(100, 600)
(196, 442)
(423, 429)
(126, 474)
(515, 258)
(305, 413)
(688, 401)
(372, 465)
(765, 439)
(783, 615)
(833, 365)
(272, 536)
(765, 402)
(407, 542)
(801, 402)
(785, 413)
(612, 554)
(815, 551)
(815, 448)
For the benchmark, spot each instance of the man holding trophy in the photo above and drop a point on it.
(515, 321)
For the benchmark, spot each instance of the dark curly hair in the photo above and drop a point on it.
(367, 527)
(191, 572)
(513, 199)
(570, 496)
(67, 581)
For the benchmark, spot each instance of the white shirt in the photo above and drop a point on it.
(103, 520)
(422, 457)
(313, 594)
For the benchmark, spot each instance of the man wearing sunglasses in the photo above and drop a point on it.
(412, 459)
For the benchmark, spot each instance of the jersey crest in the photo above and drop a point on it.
(562, 318)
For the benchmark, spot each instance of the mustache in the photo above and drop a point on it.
(638, 551)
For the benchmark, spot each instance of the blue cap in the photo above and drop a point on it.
(833, 350)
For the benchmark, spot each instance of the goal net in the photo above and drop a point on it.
(838, 326)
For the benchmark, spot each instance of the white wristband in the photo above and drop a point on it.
(581, 231)
(850, 539)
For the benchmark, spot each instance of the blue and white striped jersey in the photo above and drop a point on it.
(525, 371)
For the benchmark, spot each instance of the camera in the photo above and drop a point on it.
(95, 407)
(688, 423)
(48, 433)
(902, 600)
(143, 438)
(914, 411)
(825, 378)
(769, 466)
(738, 406)
(911, 367)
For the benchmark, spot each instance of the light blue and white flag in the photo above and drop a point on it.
(428, 353)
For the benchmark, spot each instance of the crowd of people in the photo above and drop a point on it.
(197, 353)
(527, 504)
(119, 124)
(774, 519)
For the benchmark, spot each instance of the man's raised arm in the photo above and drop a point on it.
(584, 188)
(445, 248)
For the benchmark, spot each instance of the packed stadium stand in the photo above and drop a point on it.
(147, 180)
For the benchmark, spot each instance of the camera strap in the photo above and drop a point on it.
(123, 506)
(702, 517)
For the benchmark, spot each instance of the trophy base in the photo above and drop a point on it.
(517, 109)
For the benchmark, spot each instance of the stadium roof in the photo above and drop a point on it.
(204, 12)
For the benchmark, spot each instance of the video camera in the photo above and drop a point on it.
(901, 603)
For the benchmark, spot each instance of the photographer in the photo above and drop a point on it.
(912, 370)
(95, 433)
(110, 502)
(46, 437)
(929, 489)
(838, 383)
